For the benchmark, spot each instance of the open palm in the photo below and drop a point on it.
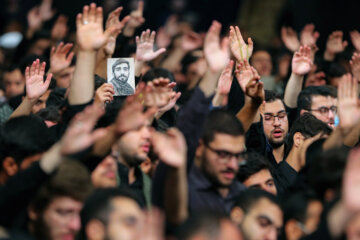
(34, 80)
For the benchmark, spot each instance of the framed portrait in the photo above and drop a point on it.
(120, 73)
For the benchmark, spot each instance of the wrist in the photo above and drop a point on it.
(328, 55)
(128, 31)
(31, 100)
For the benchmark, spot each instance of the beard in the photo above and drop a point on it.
(133, 161)
(122, 78)
(276, 144)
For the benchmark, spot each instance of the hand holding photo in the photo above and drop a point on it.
(120, 73)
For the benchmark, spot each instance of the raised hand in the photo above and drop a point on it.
(60, 57)
(45, 10)
(351, 181)
(34, 80)
(80, 135)
(136, 20)
(216, 55)
(191, 41)
(34, 18)
(348, 103)
(158, 93)
(60, 28)
(113, 21)
(335, 43)
(301, 63)
(145, 47)
(90, 35)
(244, 73)
(225, 79)
(170, 147)
(131, 116)
(255, 89)
(355, 65)
(355, 39)
(239, 48)
(290, 38)
(308, 35)
(105, 93)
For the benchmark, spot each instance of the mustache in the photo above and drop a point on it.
(228, 170)
(122, 75)
(278, 129)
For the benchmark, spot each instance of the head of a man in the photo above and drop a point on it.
(55, 210)
(274, 118)
(258, 214)
(320, 101)
(302, 211)
(111, 213)
(14, 82)
(261, 61)
(23, 140)
(221, 148)
(193, 67)
(302, 133)
(105, 173)
(255, 172)
(121, 70)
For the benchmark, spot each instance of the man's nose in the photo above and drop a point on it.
(75, 223)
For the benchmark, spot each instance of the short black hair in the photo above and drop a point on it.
(156, 73)
(304, 100)
(254, 163)
(271, 96)
(250, 197)
(221, 121)
(308, 125)
(336, 70)
(187, 61)
(98, 205)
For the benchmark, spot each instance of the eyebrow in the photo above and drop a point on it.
(270, 113)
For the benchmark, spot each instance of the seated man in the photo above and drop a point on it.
(255, 172)
(258, 215)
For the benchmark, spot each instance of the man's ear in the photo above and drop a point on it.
(95, 230)
(237, 215)
(10, 166)
(200, 149)
(292, 230)
(32, 214)
(298, 139)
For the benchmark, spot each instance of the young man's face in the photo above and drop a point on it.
(14, 83)
(134, 145)
(263, 221)
(261, 60)
(275, 122)
(121, 72)
(218, 161)
(62, 218)
(321, 108)
(262, 180)
(125, 219)
(104, 175)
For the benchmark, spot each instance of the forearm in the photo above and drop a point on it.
(138, 67)
(336, 139)
(174, 59)
(248, 114)
(24, 108)
(176, 195)
(337, 219)
(219, 100)
(103, 146)
(352, 138)
(51, 159)
(329, 56)
(209, 82)
(293, 89)
(82, 86)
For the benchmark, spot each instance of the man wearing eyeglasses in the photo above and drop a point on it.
(320, 101)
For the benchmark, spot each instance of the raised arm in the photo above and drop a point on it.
(90, 37)
(136, 20)
(35, 87)
(290, 39)
(239, 48)
(334, 45)
(301, 65)
(224, 85)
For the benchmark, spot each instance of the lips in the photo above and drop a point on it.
(277, 133)
(145, 147)
(110, 174)
(228, 174)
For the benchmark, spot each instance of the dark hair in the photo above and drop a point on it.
(98, 205)
(51, 113)
(254, 163)
(204, 223)
(221, 121)
(118, 62)
(187, 60)
(56, 98)
(24, 136)
(250, 197)
(308, 125)
(304, 100)
(99, 81)
(272, 96)
(156, 73)
(336, 70)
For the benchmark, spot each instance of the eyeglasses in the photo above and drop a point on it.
(325, 110)
(225, 156)
(270, 118)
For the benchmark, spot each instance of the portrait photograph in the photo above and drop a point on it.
(120, 73)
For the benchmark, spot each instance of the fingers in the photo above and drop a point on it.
(92, 13)
(238, 35)
(48, 80)
(159, 52)
(85, 15)
(140, 8)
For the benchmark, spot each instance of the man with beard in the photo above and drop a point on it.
(121, 72)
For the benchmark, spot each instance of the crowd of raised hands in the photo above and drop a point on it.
(159, 132)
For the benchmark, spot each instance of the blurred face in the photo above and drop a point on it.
(320, 109)
(62, 218)
(124, 220)
(313, 214)
(121, 72)
(263, 221)
(275, 123)
(134, 146)
(41, 102)
(261, 61)
(229, 231)
(220, 159)
(64, 78)
(39, 47)
(262, 180)
(104, 174)
(14, 83)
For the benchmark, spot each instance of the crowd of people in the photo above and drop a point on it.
(214, 142)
